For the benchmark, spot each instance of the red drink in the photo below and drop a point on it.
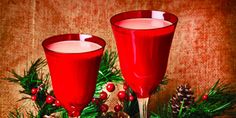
(143, 53)
(73, 61)
(143, 40)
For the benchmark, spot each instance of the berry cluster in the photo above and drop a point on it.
(34, 92)
(123, 95)
(49, 99)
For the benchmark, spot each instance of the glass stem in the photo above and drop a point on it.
(143, 104)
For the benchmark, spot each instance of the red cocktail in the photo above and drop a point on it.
(143, 40)
(73, 61)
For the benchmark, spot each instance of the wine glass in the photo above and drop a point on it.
(73, 61)
(143, 40)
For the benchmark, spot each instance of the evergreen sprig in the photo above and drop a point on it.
(108, 72)
(18, 114)
(33, 78)
(220, 98)
(30, 79)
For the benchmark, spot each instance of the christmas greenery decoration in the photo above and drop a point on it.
(30, 80)
(219, 98)
(36, 89)
(34, 79)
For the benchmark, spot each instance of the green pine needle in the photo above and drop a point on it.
(154, 115)
(181, 110)
(91, 111)
(108, 72)
(30, 78)
(163, 111)
(220, 98)
(17, 113)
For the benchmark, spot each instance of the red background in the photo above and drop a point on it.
(203, 50)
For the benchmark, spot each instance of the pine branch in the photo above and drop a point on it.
(30, 78)
(220, 98)
(37, 65)
(91, 111)
(18, 114)
(163, 111)
(30, 114)
(13, 80)
(23, 98)
(108, 71)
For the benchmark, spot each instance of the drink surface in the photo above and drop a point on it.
(143, 53)
(73, 46)
(143, 23)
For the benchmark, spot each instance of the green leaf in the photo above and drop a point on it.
(220, 98)
(213, 88)
(107, 73)
(90, 111)
(16, 75)
(181, 110)
(11, 80)
(154, 115)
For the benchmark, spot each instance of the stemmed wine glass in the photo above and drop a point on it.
(143, 40)
(73, 61)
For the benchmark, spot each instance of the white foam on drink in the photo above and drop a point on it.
(73, 46)
(143, 23)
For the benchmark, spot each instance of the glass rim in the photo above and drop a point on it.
(113, 23)
(53, 39)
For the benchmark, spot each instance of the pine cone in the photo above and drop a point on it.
(183, 94)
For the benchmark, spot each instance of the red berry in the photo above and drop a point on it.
(103, 95)
(49, 99)
(118, 108)
(34, 91)
(125, 86)
(95, 101)
(34, 97)
(121, 95)
(104, 107)
(110, 87)
(205, 97)
(57, 103)
(131, 98)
